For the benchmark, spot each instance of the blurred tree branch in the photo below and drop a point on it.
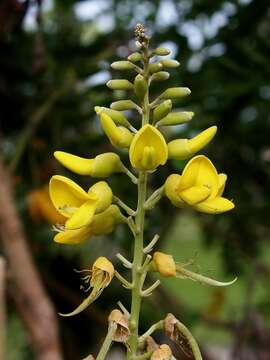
(29, 295)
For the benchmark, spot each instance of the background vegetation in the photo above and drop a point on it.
(54, 64)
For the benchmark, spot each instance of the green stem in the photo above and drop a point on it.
(107, 342)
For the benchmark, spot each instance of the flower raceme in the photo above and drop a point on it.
(87, 213)
(199, 186)
(98, 279)
(148, 149)
(167, 267)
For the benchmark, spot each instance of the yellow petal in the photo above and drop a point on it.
(178, 149)
(103, 193)
(200, 172)
(202, 139)
(222, 178)
(66, 195)
(104, 223)
(77, 164)
(118, 136)
(82, 216)
(73, 237)
(171, 186)
(148, 148)
(215, 206)
(195, 194)
(106, 164)
(164, 264)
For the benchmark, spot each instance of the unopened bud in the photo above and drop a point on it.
(162, 110)
(175, 93)
(118, 117)
(122, 105)
(140, 86)
(134, 57)
(176, 118)
(170, 63)
(161, 76)
(164, 264)
(120, 84)
(161, 51)
(155, 67)
(122, 65)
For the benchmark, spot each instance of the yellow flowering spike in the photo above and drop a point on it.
(164, 264)
(67, 196)
(200, 187)
(118, 136)
(101, 275)
(103, 193)
(102, 165)
(148, 149)
(181, 149)
(164, 352)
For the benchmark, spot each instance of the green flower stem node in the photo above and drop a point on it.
(140, 86)
(160, 76)
(175, 93)
(122, 65)
(135, 57)
(176, 118)
(118, 117)
(120, 84)
(122, 105)
(161, 51)
(162, 110)
(155, 67)
(170, 63)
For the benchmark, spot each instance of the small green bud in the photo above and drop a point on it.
(161, 51)
(170, 63)
(162, 110)
(140, 86)
(176, 118)
(120, 84)
(175, 93)
(122, 105)
(155, 67)
(160, 76)
(122, 65)
(118, 117)
(135, 57)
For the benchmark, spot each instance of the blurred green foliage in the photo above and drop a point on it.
(53, 67)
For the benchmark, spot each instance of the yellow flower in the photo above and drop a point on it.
(118, 136)
(167, 267)
(181, 149)
(102, 224)
(102, 165)
(98, 279)
(200, 187)
(148, 149)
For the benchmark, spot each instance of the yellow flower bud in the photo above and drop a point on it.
(103, 193)
(199, 186)
(140, 86)
(99, 278)
(117, 116)
(118, 136)
(181, 149)
(170, 63)
(120, 84)
(122, 65)
(162, 353)
(148, 149)
(161, 76)
(161, 51)
(164, 264)
(162, 110)
(102, 165)
(176, 118)
(122, 105)
(155, 67)
(175, 93)
(135, 57)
